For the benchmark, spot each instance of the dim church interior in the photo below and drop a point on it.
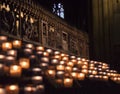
(100, 19)
(78, 13)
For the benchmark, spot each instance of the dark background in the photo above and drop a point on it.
(75, 11)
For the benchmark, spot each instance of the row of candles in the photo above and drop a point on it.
(63, 69)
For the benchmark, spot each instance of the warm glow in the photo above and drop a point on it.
(105, 77)
(91, 67)
(51, 73)
(28, 88)
(75, 69)
(27, 51)
(54, 61)
(81, 76)
(63, 55)
(94, 72)
(12, 52)
(60, 67)
(68, 82)
(49, 50)
(65, 58)
(40, 48)
(45, 59)
(60, 74)
(43, 65)
(40, 87)
(30, 46)
(68, 69)
(17, 43)
(74, 61)
(37, 78)
(62, 62)
(10, 58)
(45, 54)
(80, 63)
(2, 91)
(31, 20)
(15, 70)
(12, 89)
(2, 57)
(1, 66)
(84, 71)
(73, 57)
(36, 69)
(3, 38)
(74, 75)
(57, 57)
(70, 64)
(84, 67)
(24, 63)
(6, 46)
(56, 52)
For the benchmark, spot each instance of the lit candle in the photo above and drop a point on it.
(2, 58)
(65, 58)
(9, 60)
(84, 67)
(2, 91)
(56, 52)
(43, 65)
(17, 44)
(68, 69)
(70, 64)
(24, 63)
(74, 61)
(3, 38)
(30, 46)
(51, 72)
(79, 63)
(68, 82)
(36, 70)
(40, 88)
(49, 51)
(60, 67)
(45, 54)
(40, 48)
(6, 46)
(15, 70)
(12, 53)
(28, 90)
(81, 76)
(84, 71)
(74, 75)
(37, 79)
(45, 59)
(28, 51)
(54, 61)
(105, 78)
(60, 74)
(12, 89)
(57, 57)
(94, 72)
